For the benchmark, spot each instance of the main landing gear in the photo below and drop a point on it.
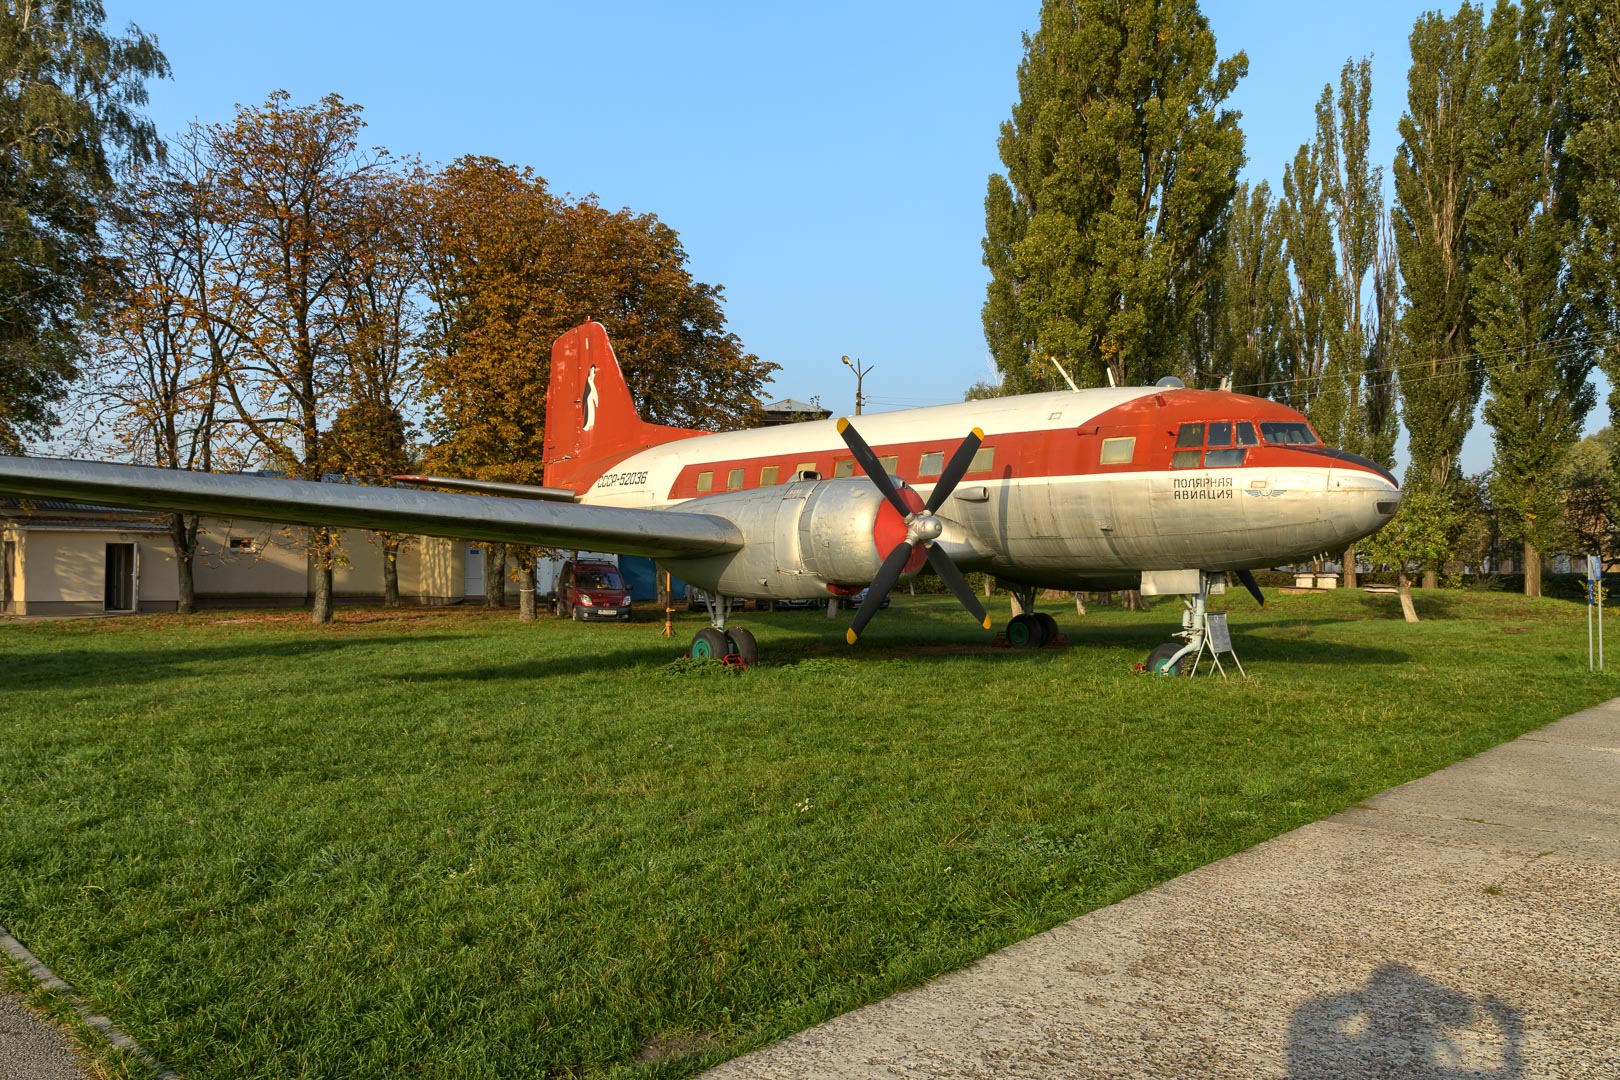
(717, 641)
(1033, 629)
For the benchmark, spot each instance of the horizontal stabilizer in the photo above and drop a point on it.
(655, 533)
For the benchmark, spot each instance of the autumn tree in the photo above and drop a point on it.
(292, 180)
(1528, 327)
(1121, 161)
(153, 383)
(70, 97)
(1420, 537)
(1439, 378)
(1588, 484)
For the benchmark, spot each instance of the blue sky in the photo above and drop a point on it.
(826, 164)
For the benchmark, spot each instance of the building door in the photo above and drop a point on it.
(122, 584)
(473, 583)
(8, 574)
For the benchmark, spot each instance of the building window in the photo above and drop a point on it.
(984, 460)
(242, 545)
(768, 475)
(705, 483)
(1118, 451)
(933, 463)
(734, 480)
(844, 467)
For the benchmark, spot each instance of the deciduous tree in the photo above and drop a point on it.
(1121, 163)
(70, 100)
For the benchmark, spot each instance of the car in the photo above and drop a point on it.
(591, 590)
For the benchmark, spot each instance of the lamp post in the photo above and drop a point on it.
(860, 374)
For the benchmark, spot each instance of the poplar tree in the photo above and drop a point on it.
(1594, 143)
(1439, 379)
(1528, 328)
(1121, 162)
(1254, 338)
(1307, 224)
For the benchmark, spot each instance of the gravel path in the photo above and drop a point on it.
(31, 1049)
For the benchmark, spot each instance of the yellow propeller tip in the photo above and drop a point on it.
(978, 433)
(987, 622)
(842, 424)
(850, 636)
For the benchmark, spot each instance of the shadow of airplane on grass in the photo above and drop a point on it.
(1401, 1024)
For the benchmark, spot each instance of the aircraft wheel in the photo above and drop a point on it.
(709, 644)
(1158, 661)
(743, 644)
(1025, 632)
(1049, 628)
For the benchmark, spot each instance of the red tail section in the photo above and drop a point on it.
(591, 420)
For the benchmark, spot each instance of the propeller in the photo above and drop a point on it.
(1247, 577)
(922, 529)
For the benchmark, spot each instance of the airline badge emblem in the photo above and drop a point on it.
(587, 407)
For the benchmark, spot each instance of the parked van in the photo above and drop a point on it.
(591, 590)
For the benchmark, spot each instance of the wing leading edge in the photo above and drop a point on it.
(659, 534)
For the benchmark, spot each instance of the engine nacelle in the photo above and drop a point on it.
(800, 538)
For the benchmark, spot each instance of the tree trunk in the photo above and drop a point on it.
(1532, 570)
(1349, 578)
(1431, 579)
(183, 533)
(391, 572)
(1132, 600)
(495, 576)
(526, 611)
(1408, 609)
(320, 554)
(1079, 603)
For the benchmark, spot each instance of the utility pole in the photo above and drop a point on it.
(860, 374)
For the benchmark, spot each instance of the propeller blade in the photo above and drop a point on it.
(1247, 577)
(955, 469)
(954, 581)
(871, 466)
(887, 575)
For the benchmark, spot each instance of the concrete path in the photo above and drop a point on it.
(31, 1049)
(1463, 925)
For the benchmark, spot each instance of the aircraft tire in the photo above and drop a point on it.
(1049, 627)
(1158, 661)
(743, 644)
(709, 644)
(1025, 632)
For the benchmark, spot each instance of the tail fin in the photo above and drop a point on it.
(591, 420)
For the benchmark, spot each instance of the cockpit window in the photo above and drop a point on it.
(1224, 459)
(1190, 435)
(1279, 433)
(1245, 435)
(1220, 433)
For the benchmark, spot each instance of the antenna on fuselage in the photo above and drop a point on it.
(1065, 374)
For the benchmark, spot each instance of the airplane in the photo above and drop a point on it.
(1162, 488)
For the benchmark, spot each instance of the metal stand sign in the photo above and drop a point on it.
(1218, 639)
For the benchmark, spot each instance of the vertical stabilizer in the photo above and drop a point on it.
(591, 419)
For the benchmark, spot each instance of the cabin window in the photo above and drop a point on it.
(768, 475)
(1220, 433)
(705, 483)
(984, 460)
(890, 464)
(1190, 435)
(1285, 434)
(806, 467)
(844, 467)
(734, 479)
(1118, 451)
(1224, 459)
(933, 463)
(1246, 435)
(1185, 459)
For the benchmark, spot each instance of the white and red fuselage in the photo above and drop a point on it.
(1074, 489)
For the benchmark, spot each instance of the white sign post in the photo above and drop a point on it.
(1594, 609)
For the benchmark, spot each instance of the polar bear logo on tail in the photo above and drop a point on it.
(587, 406)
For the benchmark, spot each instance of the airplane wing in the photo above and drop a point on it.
(656, 533)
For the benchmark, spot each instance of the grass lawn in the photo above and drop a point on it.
(446, 843)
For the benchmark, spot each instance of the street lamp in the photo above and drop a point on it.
(860, 374)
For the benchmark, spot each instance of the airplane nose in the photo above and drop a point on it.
(1367, 499)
